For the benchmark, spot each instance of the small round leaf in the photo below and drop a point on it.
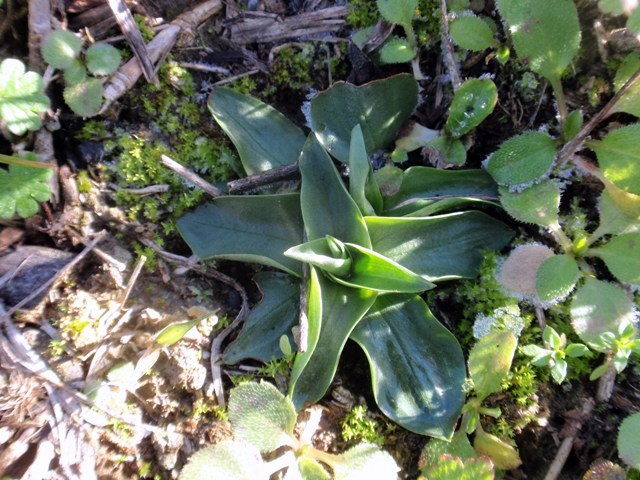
(622, 256)
(519, 270)
(572, 125)
(630, 101)
(537, 204)
(472, 103)
(619, 158)
(629, 440)
(84, 98)
(75, 72)
(446, 151)
(556, 278)
(398, 11)
(522, 160)
(472, 33)
(60, 48)
(103, 59)
(396, 51)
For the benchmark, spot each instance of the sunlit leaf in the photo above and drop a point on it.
(60, 48)
(472, 33)
(175, 332)
(227, 459)
(629, 441)
(417, 366)
(365, 461)
(556, 277)
(473, 101)
(621, 254)
(84, 97)
(538, 204)
(21, 188)
(490, 361)
(246, 228)
(619, 158)
(362, 184)
(102, 59)
(398, 11)
(452, 468)
(264, 137)
(503, 455)
(396, 51)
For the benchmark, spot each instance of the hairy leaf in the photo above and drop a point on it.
(261, 416)
(84, 97)
(452, 468)
(102, 59)
(630, 101)
(629, 440)
(365, 461)
(246, 228)
(446, 150)
(60, 48)
(417, 366)
(621, 254)
(380, 108)
(556, 278)
(472, 103)
(490, 361)
(538, 204)
(227, 459)
(472, 33)
(264, 138)
(268, 321)
(619, 158)
(22, 97)
(398, 11)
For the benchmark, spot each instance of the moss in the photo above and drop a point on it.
(357, 425)
(363, 13)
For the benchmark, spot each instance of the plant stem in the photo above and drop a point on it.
(564, 241)
(556, 86)
(449, 55)
(415, 61)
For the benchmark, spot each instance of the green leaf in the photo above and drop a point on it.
(102, 59)
(246, 228)
(174, 333)
(572, 125)
(398, 11)
(438, 248)
(556, 277)
(397, 50)
(365, 461)
(327, 207)
(459, 447)
(599, 307)
(333, 312)
(522, 160)
(268, 321)
(452, 468)
(261, 416)
(21, 188)
(545, 33)
(503, 455)
(22, 97)
(559, 371)
(264, 138)
(432, 190)
(75, 73)
(472, 33)
(538, 204)
(380, 107)
(614, 7)
(490, 361)
(446, 150)
(311, 470)
(85, 97)
(629, 440)
(598, 372)
(60, 48)
(615, 219)
(362, 184)
(619, 158)
(633, 23)
(621, 254)
(519, 271)
(227, 459)
(414, 136)
(328, 254)
(534, 351)
(417, 366)
(575, 350)
(472, 103)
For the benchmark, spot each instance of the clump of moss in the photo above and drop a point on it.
(357, 425)
(363, 13)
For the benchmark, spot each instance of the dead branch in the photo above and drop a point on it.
(259, 27)
(278, 174)
(448, 52)
(190, 176)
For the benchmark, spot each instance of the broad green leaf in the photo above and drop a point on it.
(438, 248)
(60, 48)
(459, 447)
(472, 33)
(310, 469)
(246, 228)
(599, 307)
(630, 101)
(175, 332)
(362, 184)
(373, 271)
(445, 151)
(21, 188)
(364, 462)
(398, 11)
(629, 441)
(503, 455)
(559, 370)
(264, 138)
(575, 350)
(621, 254)
(545, 33)
(519, 270)
(327, 207)
(85, 97)
(522, 160)
(328, 254)
(572, 125)
(538, 204)
(490, 361)
(75, 73)
(414, 136)
(22, 97)
(333, 312)
(472, 103)
(556, 278)
(615, 220)
(633, 23)
(417, 366)
(102, 59)
(452, 468)
(432, 190)
(227, 459)
(619, 158)
(268, 321)
(261, 416)
(380, 107)
(397, 50)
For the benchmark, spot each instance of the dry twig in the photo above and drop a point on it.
(190, 176)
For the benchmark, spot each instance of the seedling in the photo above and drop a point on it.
(263, 421)
(23, 185)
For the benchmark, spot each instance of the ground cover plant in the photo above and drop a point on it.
(435, 255)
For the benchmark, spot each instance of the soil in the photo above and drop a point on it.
(100, 318)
